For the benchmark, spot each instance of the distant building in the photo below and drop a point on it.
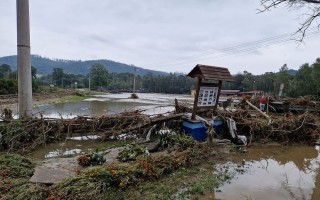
(250, 93)
(229, 92)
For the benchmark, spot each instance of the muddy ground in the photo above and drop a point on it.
(45, 96)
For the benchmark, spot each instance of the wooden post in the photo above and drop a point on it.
(195, 104)
(218, 95)
(24, 60)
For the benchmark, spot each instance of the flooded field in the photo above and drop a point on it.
(263, 172)
(112, 103)
(273, 173)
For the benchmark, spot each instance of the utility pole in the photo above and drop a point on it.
(134, 80)
(89, 84)
(24, 60)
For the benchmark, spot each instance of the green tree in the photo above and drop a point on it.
(283, 77)
(316, 76)
(304, 84)
(35, 85)
(99, 76)
(8, 86)
(57, 76)
(5, 71)
(248, 81)
(33, 72)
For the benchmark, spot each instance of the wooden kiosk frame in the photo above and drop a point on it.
(207, 94)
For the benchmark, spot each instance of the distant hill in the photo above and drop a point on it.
(46, 65)
(292, 71)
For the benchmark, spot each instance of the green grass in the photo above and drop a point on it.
(15, 172)
(183, 183)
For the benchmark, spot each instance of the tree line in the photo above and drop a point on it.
(100, 79)
(9, 83)
(306, 81)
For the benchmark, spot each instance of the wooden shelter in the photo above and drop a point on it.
(207, 93)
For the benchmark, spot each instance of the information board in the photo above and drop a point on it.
(207, 96)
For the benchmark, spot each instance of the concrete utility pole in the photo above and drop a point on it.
(89, 84)
(134, 80)
(24, 60)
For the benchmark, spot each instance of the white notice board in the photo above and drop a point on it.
(207, 96)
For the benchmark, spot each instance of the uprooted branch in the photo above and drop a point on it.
(313, 6)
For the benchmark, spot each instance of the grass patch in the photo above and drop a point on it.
(103, 181)
(166, 177)
(15, 172)
(184, 183)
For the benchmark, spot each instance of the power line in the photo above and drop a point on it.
(234, 50)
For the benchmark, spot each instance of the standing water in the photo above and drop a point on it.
(274, 173)
(109, 104)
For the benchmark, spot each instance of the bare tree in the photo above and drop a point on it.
(311, 15)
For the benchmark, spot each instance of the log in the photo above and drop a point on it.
(264, 114)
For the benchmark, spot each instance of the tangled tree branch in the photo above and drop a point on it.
(313, 6)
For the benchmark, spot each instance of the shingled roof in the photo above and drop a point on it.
(211, 72)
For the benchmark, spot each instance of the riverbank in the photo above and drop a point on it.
(46, 96)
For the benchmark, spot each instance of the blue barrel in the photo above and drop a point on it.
(196, 129)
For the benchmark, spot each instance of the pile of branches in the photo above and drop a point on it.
(25, 135)
(306, 102)
(287, 128)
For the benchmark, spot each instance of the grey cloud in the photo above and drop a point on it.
(153, 33)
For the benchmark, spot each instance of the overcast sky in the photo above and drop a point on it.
(165, 35)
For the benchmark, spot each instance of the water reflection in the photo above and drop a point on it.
(275, 173)
(71, 146)
(89, 108)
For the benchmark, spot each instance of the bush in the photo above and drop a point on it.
(8, 86)
(91, 159)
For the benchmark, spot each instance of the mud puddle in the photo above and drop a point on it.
(273, 173)
(68, 147)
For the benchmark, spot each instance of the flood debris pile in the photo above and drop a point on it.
(286, 128)
(26, 135)
(294, 105)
